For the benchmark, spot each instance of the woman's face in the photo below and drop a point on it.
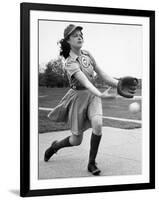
(76, 39)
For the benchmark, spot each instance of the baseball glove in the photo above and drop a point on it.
(127, 86)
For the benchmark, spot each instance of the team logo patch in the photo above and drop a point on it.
(84, 62)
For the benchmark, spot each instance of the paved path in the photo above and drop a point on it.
(119, 154)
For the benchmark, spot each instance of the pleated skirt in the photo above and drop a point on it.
(77, 108)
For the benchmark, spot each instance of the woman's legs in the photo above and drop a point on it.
(76, 140)
(73, 140)
(96, 122)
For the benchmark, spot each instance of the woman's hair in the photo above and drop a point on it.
(64, 48)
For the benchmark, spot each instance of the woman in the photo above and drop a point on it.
(81, 106)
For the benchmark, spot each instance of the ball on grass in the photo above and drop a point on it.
(134, 107)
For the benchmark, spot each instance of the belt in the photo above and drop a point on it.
(78, 87)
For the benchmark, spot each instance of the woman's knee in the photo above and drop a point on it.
(76, 140)
(97, 123)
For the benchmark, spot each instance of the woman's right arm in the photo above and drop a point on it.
(73, 69)
(80, 76)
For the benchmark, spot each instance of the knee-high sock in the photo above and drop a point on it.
(62, 143)
(94, 144)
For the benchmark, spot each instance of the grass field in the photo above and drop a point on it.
(49, 98)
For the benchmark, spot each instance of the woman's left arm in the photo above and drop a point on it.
(108, 79)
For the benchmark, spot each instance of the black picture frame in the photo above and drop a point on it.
(25, 8)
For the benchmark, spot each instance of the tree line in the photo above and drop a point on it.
(54, 74)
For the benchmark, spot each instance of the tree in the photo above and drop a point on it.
(42, 81)
(55, 75)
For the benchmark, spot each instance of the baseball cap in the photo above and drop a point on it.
(70, 28)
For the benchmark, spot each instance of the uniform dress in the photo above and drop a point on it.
(79, 105)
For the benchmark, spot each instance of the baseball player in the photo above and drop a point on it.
(82, 104)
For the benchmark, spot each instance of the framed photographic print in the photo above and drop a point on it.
(87, 99)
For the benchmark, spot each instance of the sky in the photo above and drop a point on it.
(116, 48)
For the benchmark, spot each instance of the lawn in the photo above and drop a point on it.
(49, 97)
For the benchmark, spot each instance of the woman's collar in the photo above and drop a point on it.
(73, 55)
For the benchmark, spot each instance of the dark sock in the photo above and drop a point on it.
(94, 144)
(62, 143)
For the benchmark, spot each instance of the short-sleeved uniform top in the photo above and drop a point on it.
(77, 107)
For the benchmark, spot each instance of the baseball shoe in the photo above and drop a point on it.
(92, 168)
(50, 151)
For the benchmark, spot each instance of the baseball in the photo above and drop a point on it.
(134, 107)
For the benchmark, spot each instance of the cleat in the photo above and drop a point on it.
(50, 151)
(92, 168)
